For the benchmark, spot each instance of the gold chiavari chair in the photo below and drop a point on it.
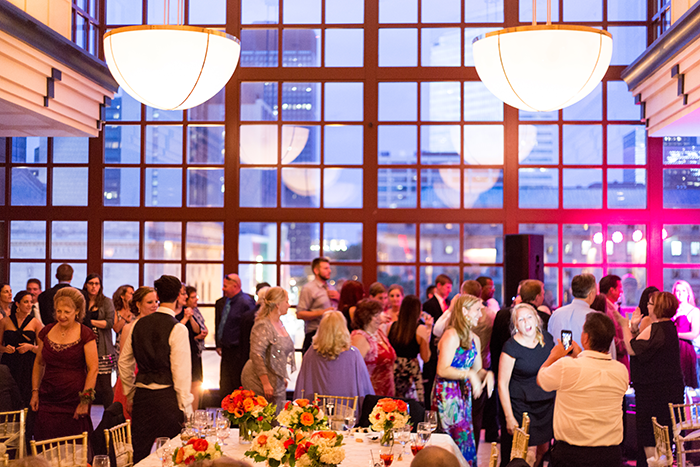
(493, 460)
(684, 418)
(664, 455)
(68, 451)
(341, 404)
(120, 437)
(12, 431)
(521, 439)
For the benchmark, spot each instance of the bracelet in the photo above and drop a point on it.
(87, 396)
(35, 390)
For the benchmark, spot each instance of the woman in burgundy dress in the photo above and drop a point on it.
(65, 366)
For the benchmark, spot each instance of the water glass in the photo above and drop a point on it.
(163, 450)
(424, 432)
(432, 419)
(403, 435)
(349, 422)
(223, 426)
(100, 461)
(200, 421)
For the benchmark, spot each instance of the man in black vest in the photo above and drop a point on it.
(160, 396)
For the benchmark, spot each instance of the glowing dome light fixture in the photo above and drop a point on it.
(171, 67)
(541, 68)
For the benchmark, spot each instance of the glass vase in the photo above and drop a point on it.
(245, 433)
(387, 438)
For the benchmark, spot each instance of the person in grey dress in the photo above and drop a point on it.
(271, 350)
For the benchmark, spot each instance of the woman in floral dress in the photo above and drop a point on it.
(459, 375)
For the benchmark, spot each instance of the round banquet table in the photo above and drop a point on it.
(356, 454)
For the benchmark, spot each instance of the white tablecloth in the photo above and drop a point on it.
(356, 454)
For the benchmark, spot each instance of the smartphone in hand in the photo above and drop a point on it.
(566, 339)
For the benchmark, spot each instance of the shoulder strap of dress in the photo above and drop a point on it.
(25, 323)
(13, 318)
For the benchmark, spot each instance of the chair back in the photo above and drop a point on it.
(684, 417)
(664, 455)
(521, 439)
(68, 451)
(5, 460)
(12, 431)
(120, 437)
(493, 459)
(341, 404)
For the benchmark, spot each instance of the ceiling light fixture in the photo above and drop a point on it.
(171, 67)
(540, 68)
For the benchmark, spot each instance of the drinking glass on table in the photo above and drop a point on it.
(386, 455)
(424, 432)
(100, 461)
(417, 443)
(403, 435)
(200, 421)
(163, 451)
(431, 418)
(349, 422)
(223, 425)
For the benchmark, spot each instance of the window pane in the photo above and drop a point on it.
(440, 188)
(259, 11)
(524, 115)
(31, 150)
(581, 244)
(79, 274)
(692, 276)
(627, 10)
(124, 107)
(259, 47)
(551, 239)
(397, 188)
(122, 187)
(124, 12)
(70, 150)
(257, 241)
(469, 35)
(28, 186)
(344, 272)
(162, 241)
(583, 145)
(205, 187)
(207, 12)
(588, 108)
(396, 243)
(439, 243)
(483, 243)
(343, 144)
(163, 187)
(3, 150)
(207, 278)
(398, 11)
(495, 273)
(634, 281)
(258, 188)
(122, 144)
(301, 47)
(253, 274)
(293, 278)
(344, 47)
(343, 102)
(405, 276)
(681, 188)
(480, 104)
(301, 144)
(70, 186)
(28, 239)
(627, 144)
(301, 188)
(300, 241)
(569, 273)
(152, 271)
(627, 188)
(213, 110)
(621, 104)
(551, 287)
(301, 11)
(538, 144)
(440, 46)
(526, 11)
(575, 10)
(342, 241)
(626, 244)
(164, 144)
(397, 144)
(163, 115)
(69, 240)
(681, 150)
(258, 144)
(429, 273)
(439, 144)
(342, 188)
(120, 240)
(484, 11)
(628, 43)
(440, 11)
(345, 11)
(206, 144)
(259, 101)
(156, 14)
(583, 188)
(681, 244)
(20, 272)
(2, 185)
(301, 102)
(483, 188)
(116, 274)
(483, 144)
(538, 188)
(398, 47)
(440, 102)
(398, 102)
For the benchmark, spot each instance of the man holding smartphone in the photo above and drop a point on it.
(588, 426)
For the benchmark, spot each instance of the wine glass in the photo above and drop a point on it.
(402, 436)
(200, 421)
(162, 449)
(223, 426)
(386, 455)
(432, 419)
(424, 432)
(211, 423)
(100, 461)
(417, 443)
(349, 422)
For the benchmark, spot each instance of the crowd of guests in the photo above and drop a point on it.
(478, 365)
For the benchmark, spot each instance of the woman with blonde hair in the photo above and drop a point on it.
(332, 366)
(521, 359)
(460, 375)
(687, 322)
(271, 350)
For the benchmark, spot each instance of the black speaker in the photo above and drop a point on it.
(524, 259)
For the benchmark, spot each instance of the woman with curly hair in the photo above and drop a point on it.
(332, 366)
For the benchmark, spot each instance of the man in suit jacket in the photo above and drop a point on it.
(435, 307)
(64, 274)
(234, 317)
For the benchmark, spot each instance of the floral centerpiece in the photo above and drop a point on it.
(251, 413)
(321, 449)
(276, 446)
(196, 450)
(302, 415)
(281, 445)
(388, 415)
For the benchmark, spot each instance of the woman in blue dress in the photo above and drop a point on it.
(459, 375)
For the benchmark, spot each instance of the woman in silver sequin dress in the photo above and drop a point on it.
(271, 350)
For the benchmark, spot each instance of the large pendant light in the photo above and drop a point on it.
(541, 68)
(171, 67)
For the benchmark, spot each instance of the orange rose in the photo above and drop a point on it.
(302, 402)
(262, 440)
(248, 405)
(180, 455)
(307, 419)
(238, 413)
(401, 405)
(324, 434)
(236, 393)
(389, 406)
(261, 401)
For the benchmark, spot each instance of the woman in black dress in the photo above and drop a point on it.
(521, 359)
(655, 368)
